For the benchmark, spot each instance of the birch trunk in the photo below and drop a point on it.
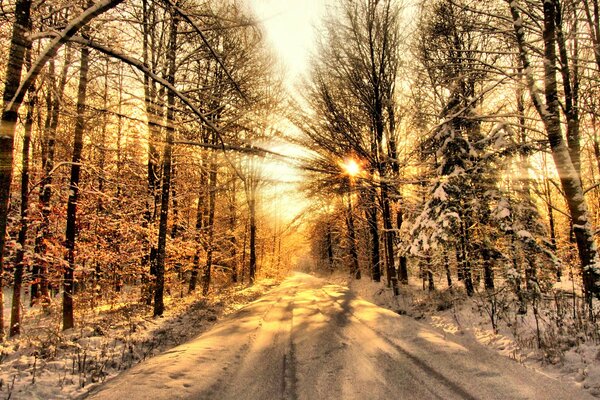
(16, 57)
(567, 172)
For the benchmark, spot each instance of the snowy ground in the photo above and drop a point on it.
(47, 363)
(567, 355)
(307, 339)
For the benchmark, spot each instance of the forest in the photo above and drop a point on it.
(154, 152)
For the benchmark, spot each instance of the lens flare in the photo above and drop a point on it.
(351, 167)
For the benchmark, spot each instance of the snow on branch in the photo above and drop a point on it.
(216, 56)
(140, 66)
(51, 49)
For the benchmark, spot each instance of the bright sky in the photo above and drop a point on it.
(290, 28)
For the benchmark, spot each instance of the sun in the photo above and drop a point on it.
(351, 167)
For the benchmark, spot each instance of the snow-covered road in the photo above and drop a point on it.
(310, 340)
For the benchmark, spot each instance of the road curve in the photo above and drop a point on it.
(310, 340)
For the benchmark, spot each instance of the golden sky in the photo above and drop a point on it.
(290, 28)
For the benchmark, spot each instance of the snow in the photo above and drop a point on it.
(503, 213)
(573, 360)
(524, 234)
(440, 194)
(47, 363)
(308, 339)
(51, 48)
(335, 344)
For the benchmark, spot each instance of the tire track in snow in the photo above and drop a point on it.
(422, 365)
(289, 389)
(219, 388)
(260, 372)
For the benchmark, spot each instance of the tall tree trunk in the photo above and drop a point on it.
(232, 238)
(175, 227)
(447, 269)
(570, 179)
(374, 232)
(570, 83)
(199, 227)
(389, 235)
(488, 271)
(402, 272)
(153, 108)
(329, 247)
(54, 103)
(18, 44)
(15, 316)
(154, 115)
(243, 261)
(159, 285)
(71, 231)
(97, 277)
(212, 187)
(550, 114)
(465, 266)
(402, 267)
(119, 139)
(252, 244)
(355, 267)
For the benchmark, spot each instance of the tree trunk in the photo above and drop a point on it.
(199, 228)
(488, 271)
(212, 187)
(329, 247)
(389, 239)
(159, 283)
(153, 111)
(431, 282)
(402, 267)
(71, 231)
(374, 231)
(570, 83)
(54, 102)
(15, 316)
(153, 114)
(243, 261)
(549, 113)
(447, 269)
(466, 264)
(355, 267)
(570, 179)
(97, 277)
(232, 239)
(16, 55)
(175, 226)
(252, 244)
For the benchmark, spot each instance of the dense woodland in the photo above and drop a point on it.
(453, 141)
(474, 129)
(134, 161)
